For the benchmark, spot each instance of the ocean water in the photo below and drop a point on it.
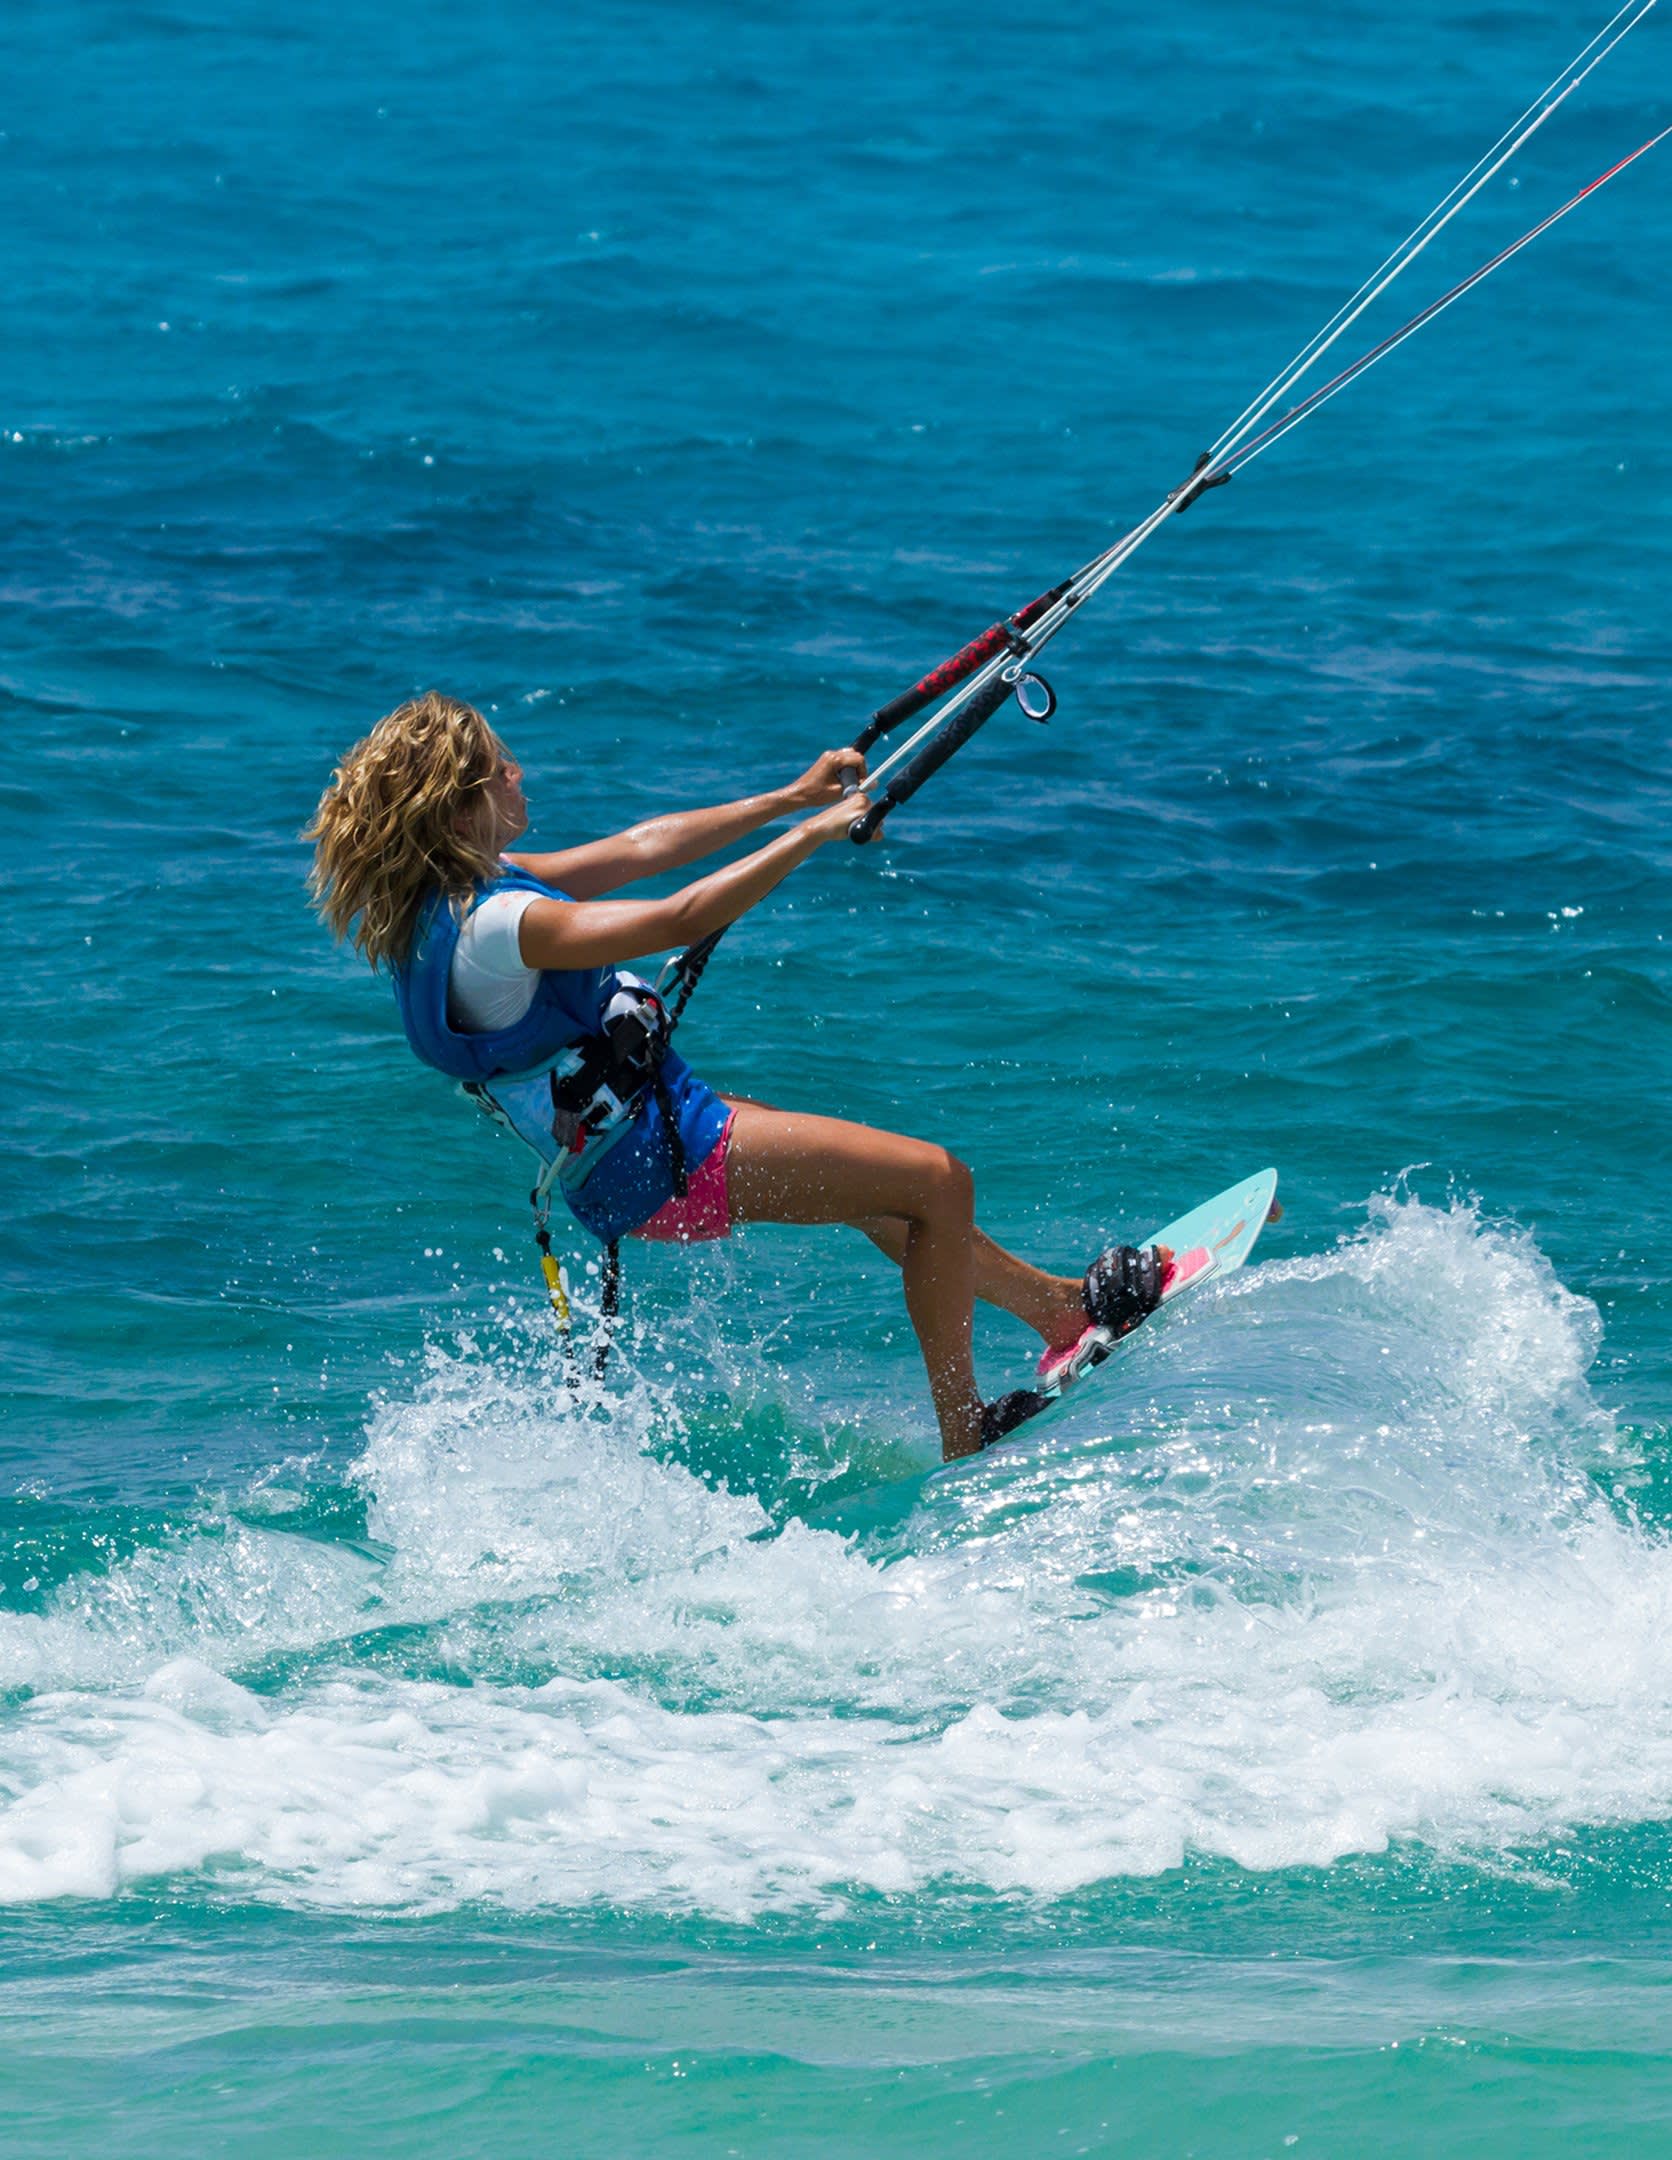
(400, 1755)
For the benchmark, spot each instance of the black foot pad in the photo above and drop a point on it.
(1003, 1416)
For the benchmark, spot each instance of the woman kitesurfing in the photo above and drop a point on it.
(507, 969)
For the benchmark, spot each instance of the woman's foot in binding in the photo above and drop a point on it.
(1140, 1281)
(1122, 1287)
(1006, 1412)
(990, 1422)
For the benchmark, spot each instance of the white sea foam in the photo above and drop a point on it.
(1325, 1566)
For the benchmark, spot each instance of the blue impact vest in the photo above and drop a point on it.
(620, 1176)
(568, 1002)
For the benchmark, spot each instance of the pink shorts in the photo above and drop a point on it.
(705, 1211)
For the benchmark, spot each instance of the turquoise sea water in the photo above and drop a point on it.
(394, 1758)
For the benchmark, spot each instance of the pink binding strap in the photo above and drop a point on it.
(1182, 1270)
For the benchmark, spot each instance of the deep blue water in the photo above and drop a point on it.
(395, 1758)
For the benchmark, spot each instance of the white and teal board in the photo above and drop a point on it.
(1225, 1226)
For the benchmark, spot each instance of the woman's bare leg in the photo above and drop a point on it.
(785, 1166)
(1049, 1304)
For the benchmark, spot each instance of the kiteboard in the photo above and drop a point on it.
(1212, 1241)
(1208, 1244)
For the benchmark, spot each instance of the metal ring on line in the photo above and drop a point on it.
(1036, 697)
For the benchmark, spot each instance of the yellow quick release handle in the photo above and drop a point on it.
(551, 1267)
(556, 1289)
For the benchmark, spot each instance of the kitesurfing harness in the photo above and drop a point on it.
(600, 1038)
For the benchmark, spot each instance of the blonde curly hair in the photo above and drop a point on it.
(406, 814)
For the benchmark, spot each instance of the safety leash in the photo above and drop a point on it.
(551, 1271)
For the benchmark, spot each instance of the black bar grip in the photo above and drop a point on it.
(952, 672)
(933, 756)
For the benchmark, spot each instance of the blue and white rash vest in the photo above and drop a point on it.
(620, 1176)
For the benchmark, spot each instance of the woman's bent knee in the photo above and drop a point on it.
(951, 1185)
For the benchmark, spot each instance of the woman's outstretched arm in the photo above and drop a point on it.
(685, 836)
(603, 933)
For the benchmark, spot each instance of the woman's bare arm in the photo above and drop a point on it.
(604, 933)
(685, 836)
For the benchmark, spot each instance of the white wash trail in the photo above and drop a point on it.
(1333, 1570)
